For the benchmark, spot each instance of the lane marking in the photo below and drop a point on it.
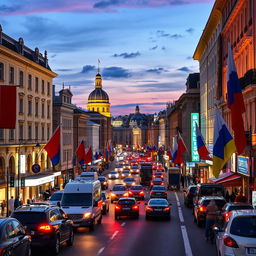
(100, 250)
(187, 246)
(113, 236)
(123, 224)
(178, 203)
(177, 199)
(180, 215)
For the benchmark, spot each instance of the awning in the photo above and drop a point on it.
(40, 179)
(228, 179)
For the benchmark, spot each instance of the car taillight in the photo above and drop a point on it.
(126, 194)
(162, 176)
(118, 207)
(162, 183)
(149, 209)
(167, 209)
(141, 192)
(230, 242)
(1, 250)
(165, 192)
(154, 176)
(152, 183)
(130, 193)
(45, 228)
(135, 207)
(202, 209)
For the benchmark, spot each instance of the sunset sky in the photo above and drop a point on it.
(145, 46)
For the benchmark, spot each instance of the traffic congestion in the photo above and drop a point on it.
(136, 193)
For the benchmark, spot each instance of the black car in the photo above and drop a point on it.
(105, 202)
(157, 181)
(158, 191)
(189, 194)
(13, 238)
(137, 192)
(158, 208)
(104, 182)
(127, 206)
(47, 225)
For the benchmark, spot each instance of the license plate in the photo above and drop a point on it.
(158, 210)
(125, 209)
(251, 250)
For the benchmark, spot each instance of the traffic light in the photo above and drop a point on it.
(12, 181)
(22, 182)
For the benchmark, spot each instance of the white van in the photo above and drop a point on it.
(87, 176)
(81, 201)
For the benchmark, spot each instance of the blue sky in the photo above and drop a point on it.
(144, 46)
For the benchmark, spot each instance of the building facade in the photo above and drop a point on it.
(22, 147)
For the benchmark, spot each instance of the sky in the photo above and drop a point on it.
(145, 47)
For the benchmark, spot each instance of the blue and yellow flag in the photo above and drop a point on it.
(224, 145)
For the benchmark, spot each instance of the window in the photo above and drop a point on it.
(30, 107)
(11, 134)
(36, 109)
(30, 132)
(42, 132)
(21, 105)
(1, 71)
(21, 132)
(21, 78)
(43, 86)
(11, 75)
(36, 132)
(36, 85)
(1, 134)
(48, 88)
(48, 111)
(42, 109)
(30, 82)
(48, 133)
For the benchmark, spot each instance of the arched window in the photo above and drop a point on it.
(1, 71)
(93, 109)
(103, 109)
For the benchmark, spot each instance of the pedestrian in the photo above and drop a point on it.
(211, 215)
(232, 197)
(182, 180)
(11, 206)
(16, 203)
(240, 198)
(3, 205)
(227, 197)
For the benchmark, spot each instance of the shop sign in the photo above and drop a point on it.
(254, 199)
(243, 165)
(194, 152)
(191, 164)
(22, 163)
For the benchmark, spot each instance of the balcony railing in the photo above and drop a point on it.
(248, 78)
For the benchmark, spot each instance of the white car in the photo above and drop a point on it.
(56, 197)
(113, 175)
(129, 181)
(238, 236)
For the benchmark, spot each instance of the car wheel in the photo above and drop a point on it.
(91, 228)
(168, 218)
(199, 223)
(99, 220)
(137, 216)
(70, 241)
(56, 247)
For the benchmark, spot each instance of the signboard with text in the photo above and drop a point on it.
(22, 164)
(194, 152)
(243, 165)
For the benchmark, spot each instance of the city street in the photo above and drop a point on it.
(126, 237)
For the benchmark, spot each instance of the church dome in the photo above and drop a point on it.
(98, 95)
(138, 119)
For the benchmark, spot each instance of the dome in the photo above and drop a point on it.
(98, 95)
(138, 119)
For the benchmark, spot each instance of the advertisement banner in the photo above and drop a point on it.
(243, 166)
(194, 152)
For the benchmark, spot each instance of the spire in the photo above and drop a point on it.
(63, 86)
(98, 80)
(137, 109)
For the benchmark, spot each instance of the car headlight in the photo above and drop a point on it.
(112, 194)
(87, 215)
(105, 183)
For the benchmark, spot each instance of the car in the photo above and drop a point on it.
(105, 202)
(56, 197)
(229, 207)
(135, 169)
(119, 168)
(199, 210)
(113, 175)
(189, 194)
(47, 225)
(158, 191)
(137, 192)
(104, 182)
(126, 173)
(129, 181)
(127, 206)
(118, 191)
(158, 175)
(13, 239)
(158, 208)
(157, 181)
(238, 235)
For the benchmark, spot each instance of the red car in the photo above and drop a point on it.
(158, 175)
(127, 206)
(137, 192)
(157, 181)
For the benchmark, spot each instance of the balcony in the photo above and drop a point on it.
(248, 78)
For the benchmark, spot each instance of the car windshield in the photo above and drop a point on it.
(240, 207)
(159, 188)
(130, 202)
(157, 180)
(113, 172)
(135, 167)
(56, 197)
(136, 187)
(102, 178)
(119, 188)
(209, 191)
(126, 171)
(157, 202)
(76, 199)
(129, 179)
(29, 217)
(219, 203)
(244, 226)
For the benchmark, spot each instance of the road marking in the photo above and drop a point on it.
(113, 236)
(123, 224)
(187, 246)
(178, 203)
(177, 199)
(100, 250)
(180, 215)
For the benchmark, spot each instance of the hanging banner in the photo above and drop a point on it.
(243, 165)
(194, 152)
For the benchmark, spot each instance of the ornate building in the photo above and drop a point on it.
(98, 100)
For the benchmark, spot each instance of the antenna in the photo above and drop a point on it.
(98, 66)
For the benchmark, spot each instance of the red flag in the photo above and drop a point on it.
(80, 152)
(169, 153)
(7, 106)
(181, 149)
(88, 156)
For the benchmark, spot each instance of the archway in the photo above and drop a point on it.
(2, 168)
(12, 166)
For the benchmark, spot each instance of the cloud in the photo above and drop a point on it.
(176, 36)
(105, 4)
(156, 70)
(154, 48)
(115, 72)
(9, 9)
(126, 55)
(163, 48)
(189, 58)
(137, 104)
(179, 2)
(64, 69)
(190, 30)
(185, 69)
(162, 33)
(88, 68)
(162, 87)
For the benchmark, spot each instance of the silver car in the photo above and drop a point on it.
(238, 236)
(56, 197)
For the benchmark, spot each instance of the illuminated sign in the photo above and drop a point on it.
(243, 165)
(22, 163)
(194, 152)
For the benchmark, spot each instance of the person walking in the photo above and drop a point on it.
(3, 205)
(11, 206)
(240, 198)
(16, 203)
(211, 216)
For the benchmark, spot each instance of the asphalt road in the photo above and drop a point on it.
(129, 237)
